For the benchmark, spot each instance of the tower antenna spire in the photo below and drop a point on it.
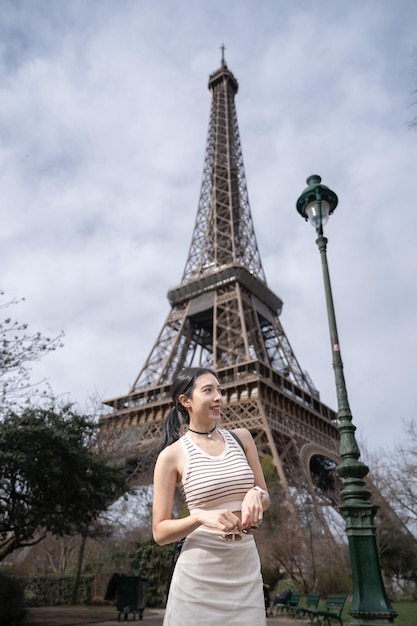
(223, 48)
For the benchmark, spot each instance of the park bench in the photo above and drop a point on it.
(333, 608)
(311, 603)
(290, 606)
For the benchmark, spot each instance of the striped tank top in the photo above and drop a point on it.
(215, 482)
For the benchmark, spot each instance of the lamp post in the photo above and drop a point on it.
(370, 605)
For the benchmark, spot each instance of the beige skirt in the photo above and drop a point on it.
(216, 582)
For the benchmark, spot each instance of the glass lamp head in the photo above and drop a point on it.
(317, 202)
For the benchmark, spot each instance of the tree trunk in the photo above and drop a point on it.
(79, 569)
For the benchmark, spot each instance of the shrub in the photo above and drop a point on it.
(153, 562)
(55, 590)
(12, 612)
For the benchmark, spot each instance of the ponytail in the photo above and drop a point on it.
(172, 427)
(178, 417)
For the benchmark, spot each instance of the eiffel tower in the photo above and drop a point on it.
(224, 316)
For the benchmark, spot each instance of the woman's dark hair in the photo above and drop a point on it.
(178, 416)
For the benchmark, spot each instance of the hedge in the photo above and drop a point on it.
(12, 612)
(55, 590)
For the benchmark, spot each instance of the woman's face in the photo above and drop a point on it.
(206, 399)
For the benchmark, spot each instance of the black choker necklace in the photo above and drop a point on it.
(197, 432)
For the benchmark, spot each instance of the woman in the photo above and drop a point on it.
(217, 577)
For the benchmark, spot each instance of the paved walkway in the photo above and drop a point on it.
(106, 616)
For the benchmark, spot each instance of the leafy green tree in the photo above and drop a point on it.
(51, 479)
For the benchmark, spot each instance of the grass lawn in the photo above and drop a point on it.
(407, 614)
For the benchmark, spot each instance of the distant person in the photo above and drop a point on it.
(217, 578)
(283, 598)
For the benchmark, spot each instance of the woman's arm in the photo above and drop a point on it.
(166, 530)
(254, 503)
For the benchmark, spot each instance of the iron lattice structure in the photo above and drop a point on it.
(224, 316)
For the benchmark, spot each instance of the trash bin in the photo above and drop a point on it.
(130, 596)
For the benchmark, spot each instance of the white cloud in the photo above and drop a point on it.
(104, 112)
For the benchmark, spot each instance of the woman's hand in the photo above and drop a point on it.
(252, 509)
(221, 519)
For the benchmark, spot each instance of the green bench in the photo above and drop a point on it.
(311, 603)
(333, 608)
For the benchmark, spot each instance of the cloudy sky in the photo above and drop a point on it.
(104, 112)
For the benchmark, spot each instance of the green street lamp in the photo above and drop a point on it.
(370, 605)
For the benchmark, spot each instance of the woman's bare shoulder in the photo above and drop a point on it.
(170, 462)
(171, 454)
(243, 434)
